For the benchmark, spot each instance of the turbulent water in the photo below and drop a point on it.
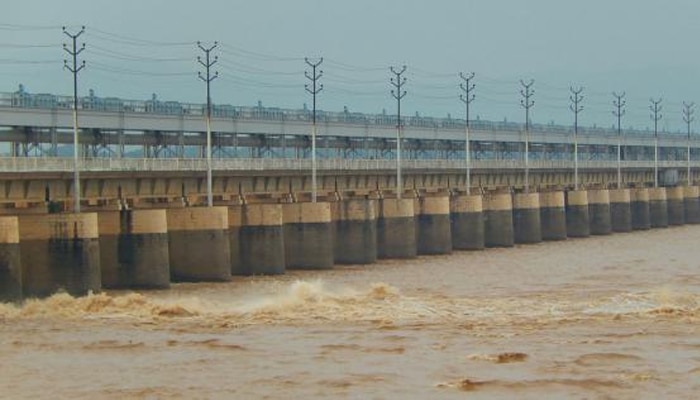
(607, 317)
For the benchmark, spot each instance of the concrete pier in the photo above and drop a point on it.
(432, 218)
(10, 262)
(256, 239)
(527, 225)
(620, 210)
(577, 214)
(498, 220)
(639, 206)
(308, 236)
(599, 212)
(198, 244)
(553, 215)
(691, 197)
(134, 249)
(467, 222)
(396, 229)
(59, 252)
(675, 201)
(354, 231)
(658, 208)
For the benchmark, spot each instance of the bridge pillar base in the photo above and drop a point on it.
(599, 212)
(553, 216)
(467, 222)
(620, 210)
(396, 229)
(658, 208)
(691, 200)
(256, 239)
(354, 231)
(10, 263)
(675, 201)
(432, 218)
(308, 237)
(498, 225)
(577, 214)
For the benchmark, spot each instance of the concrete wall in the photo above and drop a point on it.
(10, 262)
(620, 210)
(658, 208)
(527, 224)
(396, 229)
(59, 252)
(553, 215)
(198, 244)
(134, 249)
(256, 236)
(599, 212)
(354, 231)
(577, 214)
(432, 218)
(639, 205)
(692, 205)
(308, 236)
(498, 221)
(467, 222)
(675, 201)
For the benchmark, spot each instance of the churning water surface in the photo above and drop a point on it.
(604, 317)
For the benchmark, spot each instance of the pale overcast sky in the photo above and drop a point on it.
(138, 47)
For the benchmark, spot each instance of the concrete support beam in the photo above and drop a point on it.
(692, 204)
(658, 208)
(641, 217)
(675, 201)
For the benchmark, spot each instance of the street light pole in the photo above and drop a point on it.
(208, 78)
(398, 93)
(527, 92)
(313, 90)
(656, 116)
(688, 118)
(467, 97)
(619, 104)
(74, 51)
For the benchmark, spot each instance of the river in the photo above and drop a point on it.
(604, 317)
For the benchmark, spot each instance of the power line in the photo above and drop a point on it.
(74, 51)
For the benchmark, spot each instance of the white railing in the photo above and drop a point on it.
(55, 164)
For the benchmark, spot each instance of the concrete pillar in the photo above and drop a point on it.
(527, 225)
(639, 205)
(354, 231)
(498, 220)
(433, 234)
(134, 249)
(658, 208)
(308, 236)
(553, 215)
(675, 200)
(620, 210)
(577, 214)
(467, 222)
(396, 229)
(198, 244)
(59, 252)
(256, 239)
(599, 212)
(10, 266)
(692, 204)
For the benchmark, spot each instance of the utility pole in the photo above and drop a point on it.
(527, 92)
(688, 118)
(656, 116)
(619, 104)
(208, 78)
(74, 51)
(576, 107)
(314, 90)
(397, 81)
(467, 97)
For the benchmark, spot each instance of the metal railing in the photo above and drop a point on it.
(56, 164)
(154, 106)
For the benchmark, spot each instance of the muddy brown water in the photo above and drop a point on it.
(605, 317)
